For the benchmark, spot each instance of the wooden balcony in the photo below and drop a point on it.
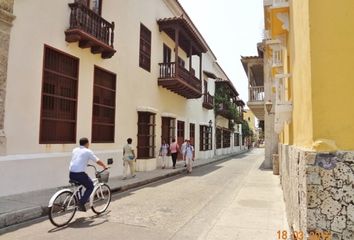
(179, 80)
(224, 111)
(90, 30)
(208, 101)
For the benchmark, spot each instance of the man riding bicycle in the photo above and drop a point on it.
(80, 158)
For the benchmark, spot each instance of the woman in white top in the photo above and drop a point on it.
(163, 153)
(189, 156)
(128, 159)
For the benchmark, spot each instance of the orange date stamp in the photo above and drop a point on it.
(299, 235)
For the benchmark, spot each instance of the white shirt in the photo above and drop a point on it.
(80, 158)
(183, 147)
(189, 151)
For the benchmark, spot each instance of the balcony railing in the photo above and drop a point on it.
(91, 30)
(277, 58)
(208, 101)
(256, 94)
(179, 80)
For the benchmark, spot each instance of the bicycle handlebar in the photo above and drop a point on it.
(93, 166)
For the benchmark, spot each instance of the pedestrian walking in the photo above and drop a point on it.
(174, 148)
(128, 159)
(183, 152)
(189, 156)
(163, 153)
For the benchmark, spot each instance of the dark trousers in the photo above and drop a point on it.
(174, 158)
(86, 181)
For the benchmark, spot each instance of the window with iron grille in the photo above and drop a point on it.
(145, 48)
(226, 136)
(104, 106)
(59, 97)
(236, 139)
(146, 135)
(192, 133)
(205, 135)
(218, 138)
(168, 129)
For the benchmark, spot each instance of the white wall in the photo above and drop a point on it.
(37, 166)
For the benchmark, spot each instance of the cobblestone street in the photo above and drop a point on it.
(231, 199)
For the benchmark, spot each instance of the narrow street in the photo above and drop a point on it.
(233, 199)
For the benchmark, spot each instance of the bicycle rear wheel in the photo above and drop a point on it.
(63, 209)
(101, 198)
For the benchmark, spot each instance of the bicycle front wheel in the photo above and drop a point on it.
(63, 209)
(101, 198)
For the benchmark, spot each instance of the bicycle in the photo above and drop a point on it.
(64, 203)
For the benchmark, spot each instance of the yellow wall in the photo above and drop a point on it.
(332, 61)
(252, 121)
(299, 66)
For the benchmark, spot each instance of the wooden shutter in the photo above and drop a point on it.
(104, 102)
(59, 97)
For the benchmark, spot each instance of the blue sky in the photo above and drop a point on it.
(232, 28)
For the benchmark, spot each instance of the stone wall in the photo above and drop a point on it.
(319, 191)
(6, 18)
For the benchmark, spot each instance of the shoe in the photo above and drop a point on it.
(134, 176)
(185, 165)
(81, 208)
(174, 167)
(163, 167)
(125, 178)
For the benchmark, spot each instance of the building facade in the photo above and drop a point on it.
(310, 58)
(107, 70)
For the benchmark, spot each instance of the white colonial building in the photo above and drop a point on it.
(107, 70)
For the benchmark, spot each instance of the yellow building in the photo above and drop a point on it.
(251, 119)
(308, 58)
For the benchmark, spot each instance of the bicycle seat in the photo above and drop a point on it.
(76, 183)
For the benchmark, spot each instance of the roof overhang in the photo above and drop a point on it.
(210, 74)
(228, 84)
(256, 66)
(187, 37)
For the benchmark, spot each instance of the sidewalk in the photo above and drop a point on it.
(20, 208)
(256, 212)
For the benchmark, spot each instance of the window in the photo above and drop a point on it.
(236, 139)
(180, 130)
(59, 97)
(145, 48)
(168, 129)
(104, 102)
(94, 5)
(218, 138)
(166, 54)
(146, 135)
(192, 133)
(181, 62)
(206, 134)
(205, 87)
(226, 135)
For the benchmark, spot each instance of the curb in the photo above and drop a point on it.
(28, 214)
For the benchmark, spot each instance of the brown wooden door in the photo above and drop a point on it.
(180, 136)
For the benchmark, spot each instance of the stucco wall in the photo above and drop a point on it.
(136, 88)
(331, 63)
(300, 69)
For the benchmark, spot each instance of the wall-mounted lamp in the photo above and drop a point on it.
(269, 106)
(210, 123)
(210, 126)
